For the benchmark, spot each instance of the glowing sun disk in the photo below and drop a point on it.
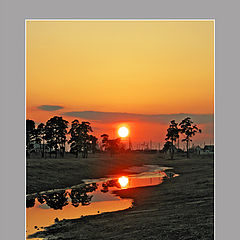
(123, 132)
(123, 181)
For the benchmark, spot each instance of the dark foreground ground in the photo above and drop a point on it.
(51, 173)
(180, 208)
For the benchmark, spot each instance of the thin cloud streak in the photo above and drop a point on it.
(50, 107)
(109, 117)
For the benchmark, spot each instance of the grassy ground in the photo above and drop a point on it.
(180, 208)
(51, 173)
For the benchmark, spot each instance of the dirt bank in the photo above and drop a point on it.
(180, 208)
(51, 173)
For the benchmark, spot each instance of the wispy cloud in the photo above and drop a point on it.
(106, 117)
(50, 107)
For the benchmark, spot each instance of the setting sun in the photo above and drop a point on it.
(123, 132)
(123, 181)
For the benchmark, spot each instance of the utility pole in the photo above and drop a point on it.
(129, 144)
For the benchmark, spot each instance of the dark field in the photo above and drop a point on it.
(180, 208)
(51, 173)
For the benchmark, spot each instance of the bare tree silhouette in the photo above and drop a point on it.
(42, 136)
(105, 141)
(167, 146)
(30, 134)
(111, 145)
(56, 130)
(188, 129)
(75, 140)
(80, 140)
(85, 129)
(93, 143)
(172, 135)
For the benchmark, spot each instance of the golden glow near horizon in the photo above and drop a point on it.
(123, 132)
(121, 66)
(123, 181)
(142, 67)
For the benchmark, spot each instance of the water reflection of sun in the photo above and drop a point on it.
(123, 181)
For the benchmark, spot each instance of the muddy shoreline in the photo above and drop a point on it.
(179, 208)
(48, 174)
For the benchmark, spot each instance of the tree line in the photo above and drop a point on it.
(112, 145)
(52, 137)
(186, 127)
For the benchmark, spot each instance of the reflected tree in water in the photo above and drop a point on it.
(56, 200)
(30, 202)
(80, 195)
(110, 183)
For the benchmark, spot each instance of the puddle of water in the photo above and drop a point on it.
(95, 197)
(71, 204)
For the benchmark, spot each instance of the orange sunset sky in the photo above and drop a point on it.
(138, 73)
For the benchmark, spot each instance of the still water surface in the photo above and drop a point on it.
(96, 196)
